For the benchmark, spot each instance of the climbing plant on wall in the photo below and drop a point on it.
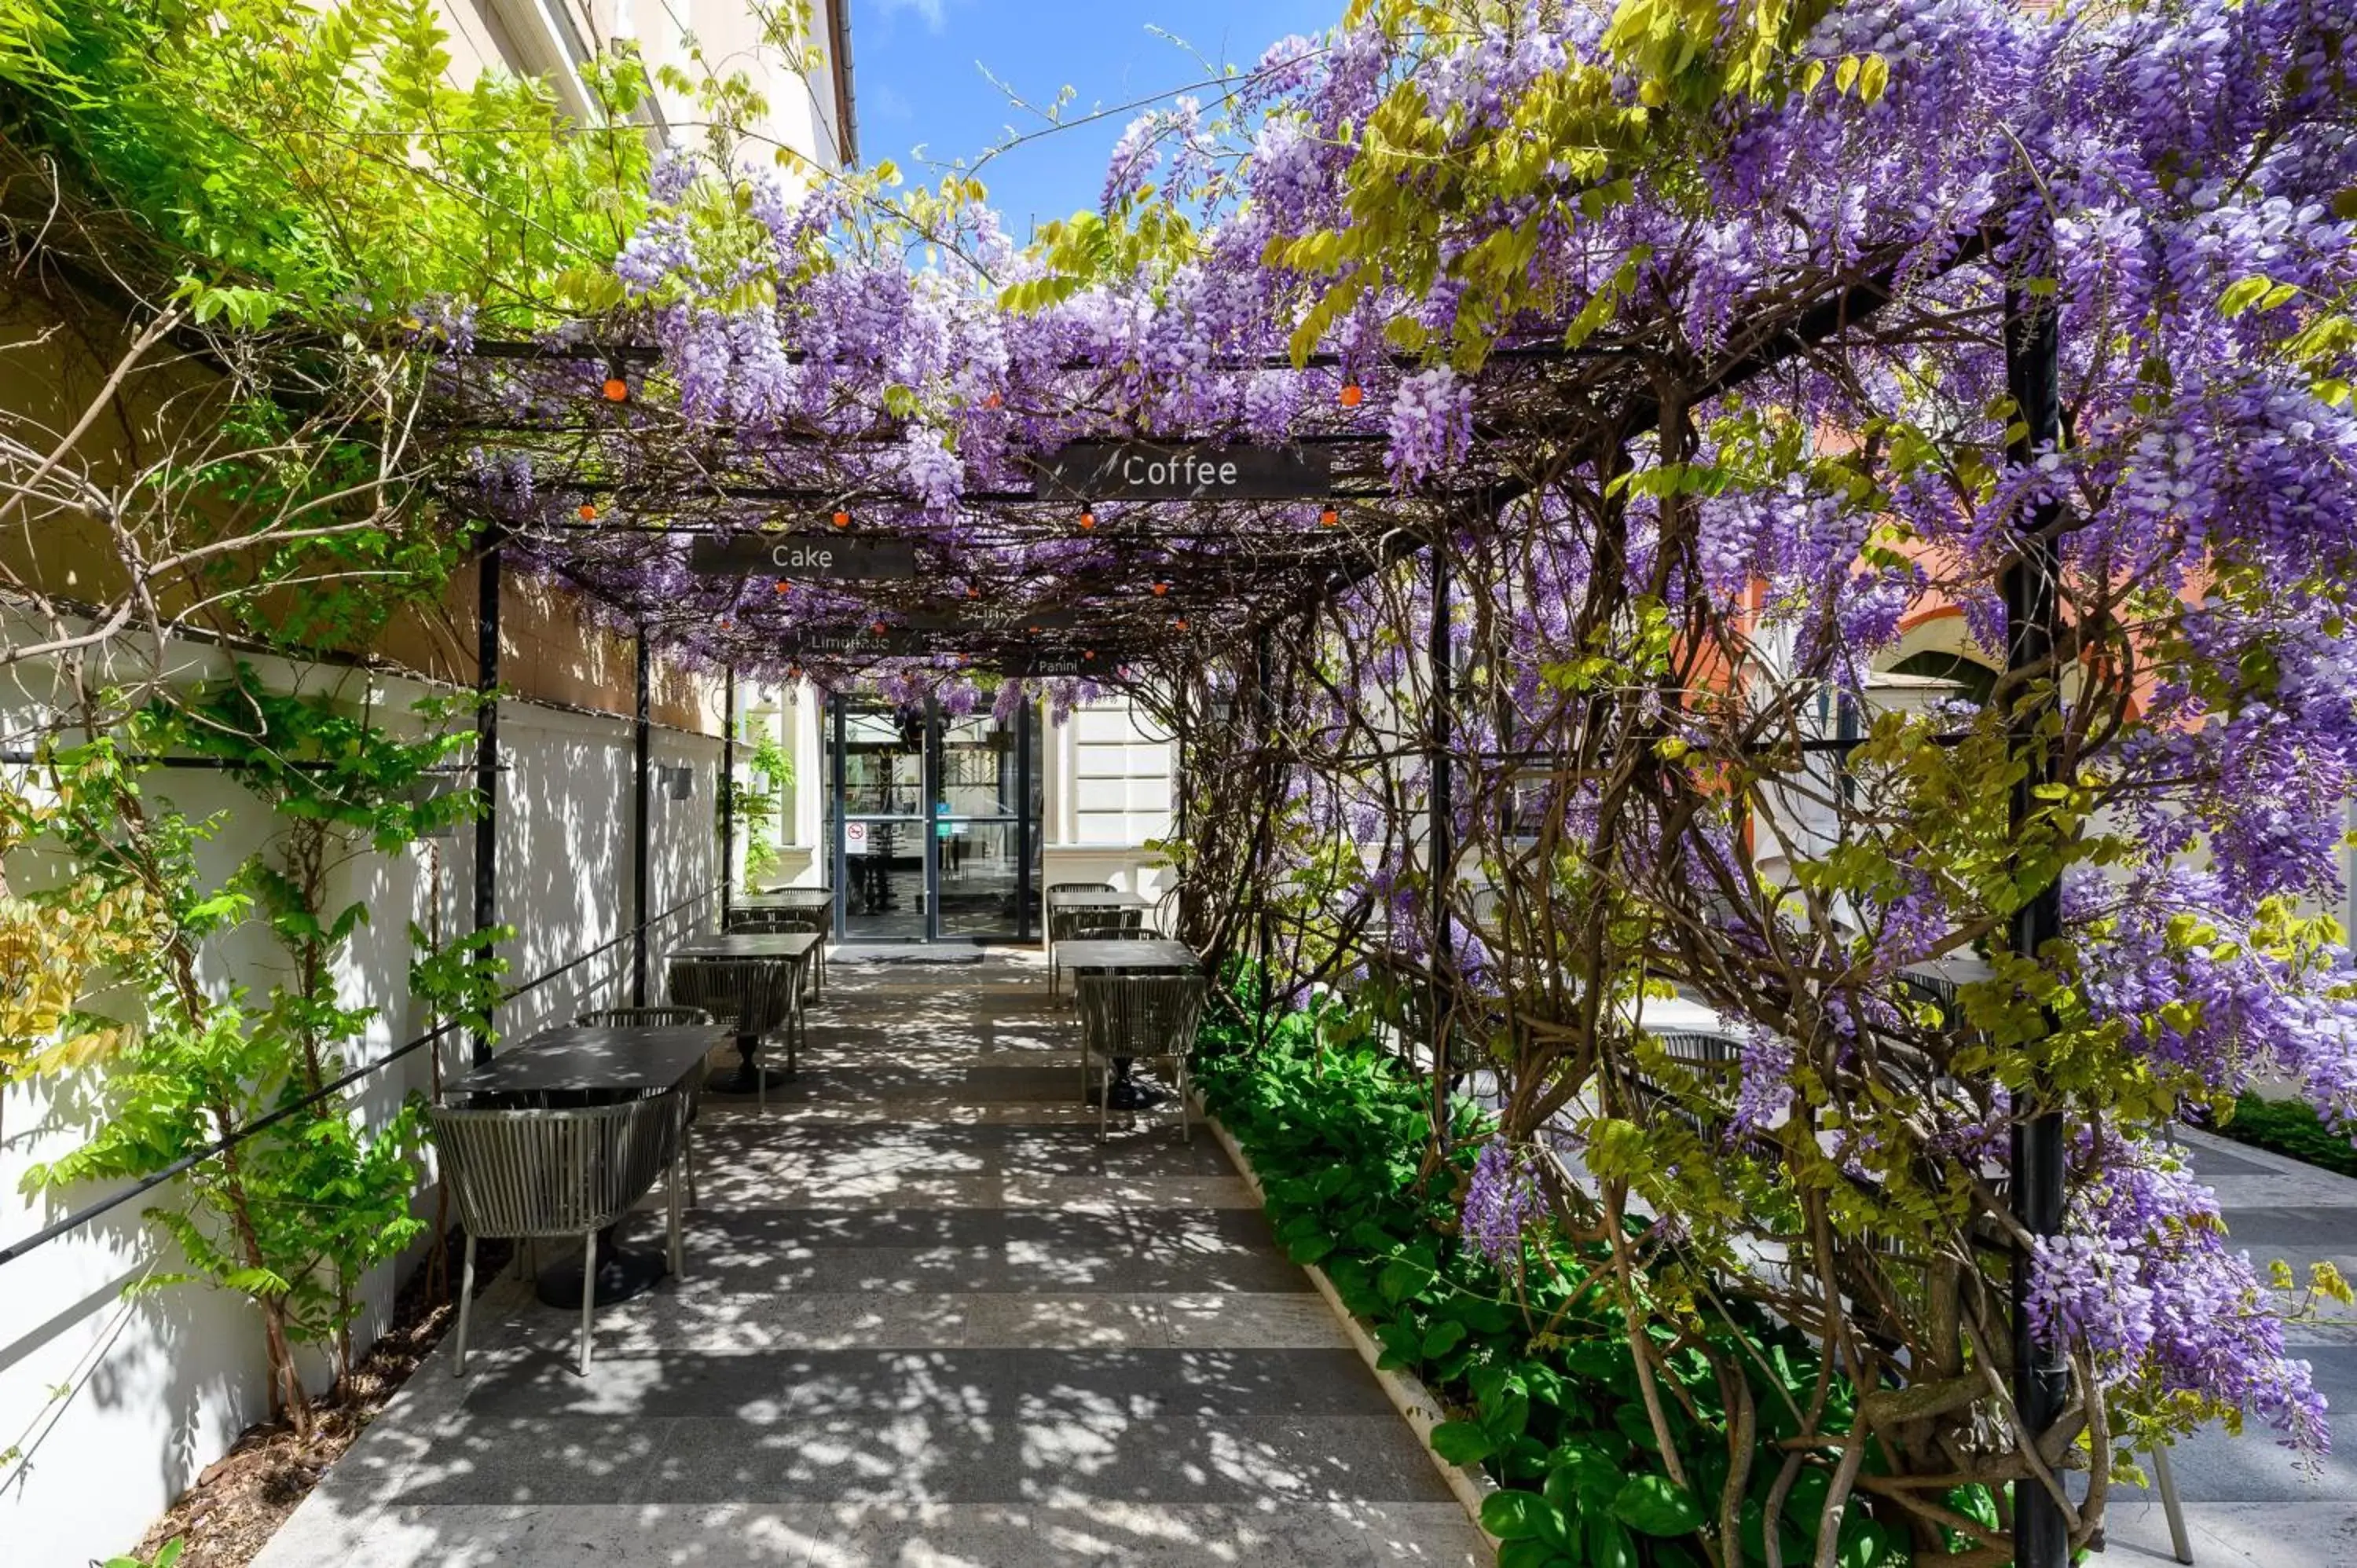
(294, 1216)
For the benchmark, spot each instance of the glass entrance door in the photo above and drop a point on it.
(882, 844)
(985, 827)
(935, 823)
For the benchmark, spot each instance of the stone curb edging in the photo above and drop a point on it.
(1413, 1399)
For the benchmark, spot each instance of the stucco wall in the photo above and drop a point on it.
(160, 1386)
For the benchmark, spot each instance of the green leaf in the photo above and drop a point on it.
(1657, 1506)
(1400, 1280)
(1523, 1516)
(1609, 1545)
(1444, 1336)
(2242, 296)
(1462, 1442)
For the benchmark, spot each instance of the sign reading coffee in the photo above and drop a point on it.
(806, 555)
(1154, 471)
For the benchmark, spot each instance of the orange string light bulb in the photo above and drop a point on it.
(1354, 394)
(588, 512)
(1329, 518)
(842, 520)
(616, 390)
(1088, 520)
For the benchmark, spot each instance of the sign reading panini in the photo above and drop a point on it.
(1144, 471)
(810, 555)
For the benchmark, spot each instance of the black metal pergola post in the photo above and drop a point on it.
(487, 770)
(727, 790)
(1441, 849)
(643, 737)
(2032, 602)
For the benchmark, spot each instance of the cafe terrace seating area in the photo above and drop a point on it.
(922, 1315)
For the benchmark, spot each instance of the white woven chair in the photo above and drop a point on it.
(524, 1174)
(1150, 1015)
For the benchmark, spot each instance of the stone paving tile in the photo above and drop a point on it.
(691, 1317)
(1103, 1535)
(926, 1319)
(2314, 1535)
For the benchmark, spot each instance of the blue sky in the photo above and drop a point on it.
(918, 80)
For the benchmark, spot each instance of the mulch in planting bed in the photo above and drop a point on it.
(241, 1498)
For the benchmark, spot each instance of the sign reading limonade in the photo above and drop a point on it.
(806, 555)
(1165, 471)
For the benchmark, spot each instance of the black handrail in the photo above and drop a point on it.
(83, 1217)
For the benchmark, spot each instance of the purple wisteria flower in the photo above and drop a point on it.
(1500, 1201)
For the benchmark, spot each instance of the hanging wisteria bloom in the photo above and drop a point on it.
(1500, 1201)
(1431, 423)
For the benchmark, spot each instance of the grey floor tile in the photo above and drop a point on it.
(1238, 1319)
(1101, 1321)
(2236, 1535)
(927, 1320)
(1113, 1535)
(2313, 1227)
(541, 1458)
(482, 1536)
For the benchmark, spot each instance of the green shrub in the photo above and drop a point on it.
(1535, 1366)
(2289, 1127)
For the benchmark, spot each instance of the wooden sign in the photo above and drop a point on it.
(1040, 666)
(1163, 471)
(992, 617)
(810, 556)
(817, 644)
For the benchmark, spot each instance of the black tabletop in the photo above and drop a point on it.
(583, 1058)
(748, 944)
(1147, 955)
(785, 898)
(1095, 898)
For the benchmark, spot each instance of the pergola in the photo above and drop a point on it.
(1124, 550)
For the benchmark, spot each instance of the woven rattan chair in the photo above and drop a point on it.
(527, 1174)
(765, 922)
(1062, 923)
(1150, 1015)
(1099, 926)
(664, 1018)
(750, 996)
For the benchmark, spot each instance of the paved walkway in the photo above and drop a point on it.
(925, 1323)
(2246, 1504)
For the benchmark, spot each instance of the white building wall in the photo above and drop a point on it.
(157, 1388)
(701, 39)
(1108, 793)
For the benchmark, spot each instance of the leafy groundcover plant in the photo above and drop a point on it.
(1534, 1363)
(2288, 1127)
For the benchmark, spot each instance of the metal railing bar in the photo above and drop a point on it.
(81, 1217)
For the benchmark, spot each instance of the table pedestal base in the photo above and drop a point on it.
(622, 1273)
(746, 1079)
(1127, 1093)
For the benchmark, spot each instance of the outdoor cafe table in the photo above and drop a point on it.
(792, 949)
(590, 1065)
(1105, 899)
(796, 899)
(816, 905)
(1148, 955)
